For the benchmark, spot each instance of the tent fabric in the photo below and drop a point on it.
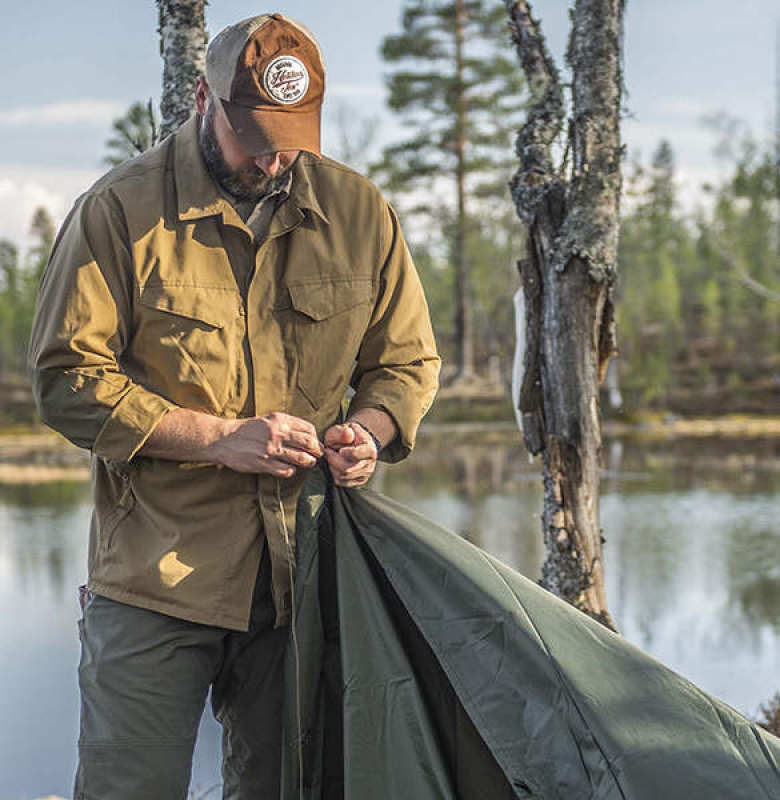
(424, 669)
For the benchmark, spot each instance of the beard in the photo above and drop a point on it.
(244, 184)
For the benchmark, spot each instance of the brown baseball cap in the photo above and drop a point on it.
(268, 74)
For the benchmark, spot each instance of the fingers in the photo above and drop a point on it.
(351, 454)
(292, 439)
(286, 424)
(307, 442)
(290, 443)
(279, 469)
(351, 484)
(338, 436)
(359, 452)
(346, 465)
(355, 480)
(293, 456)
(349, 472)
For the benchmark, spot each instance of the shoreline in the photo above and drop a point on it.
(36, 455)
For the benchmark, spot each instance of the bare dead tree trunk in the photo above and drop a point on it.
(182, 29)
(568, 279)
(464, 335)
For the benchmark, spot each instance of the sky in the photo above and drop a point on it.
(71, 68)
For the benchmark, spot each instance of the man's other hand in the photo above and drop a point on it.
(277, 444)
(351, 454)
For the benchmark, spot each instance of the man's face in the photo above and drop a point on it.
(243, 175)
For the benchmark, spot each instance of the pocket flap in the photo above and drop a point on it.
(325, 299)
(215, 307)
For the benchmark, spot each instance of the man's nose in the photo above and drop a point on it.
(269, 163)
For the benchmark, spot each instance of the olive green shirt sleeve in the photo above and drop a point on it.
(397, 367)
(81, 327)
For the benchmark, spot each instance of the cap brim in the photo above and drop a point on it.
(262, 132)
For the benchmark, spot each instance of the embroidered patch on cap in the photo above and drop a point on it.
(286, 79)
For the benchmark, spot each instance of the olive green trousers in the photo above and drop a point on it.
(144, 680)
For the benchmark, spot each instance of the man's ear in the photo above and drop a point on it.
(201, 95)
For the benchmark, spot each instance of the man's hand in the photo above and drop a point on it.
(277, 444)
(351, 454)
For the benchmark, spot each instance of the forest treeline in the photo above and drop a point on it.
(698, 296)
(20, 275)
(698, 292)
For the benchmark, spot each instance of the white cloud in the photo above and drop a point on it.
(23, 188)
(18, 202)
(72, 112)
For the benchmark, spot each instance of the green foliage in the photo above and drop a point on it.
(134, 133)
(19, 279)
(493, 248)
(699, 295)
(664, 298)
(459, 92)
(438, 282)
(653, 243)
(711, 302)
(770, 715)
(445, 98)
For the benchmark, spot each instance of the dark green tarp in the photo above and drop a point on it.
(428, 670)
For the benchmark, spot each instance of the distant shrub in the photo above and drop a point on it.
(770, 715)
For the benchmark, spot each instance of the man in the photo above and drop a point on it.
(204, 310)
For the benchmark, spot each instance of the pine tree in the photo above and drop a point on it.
(9, 304)
(133, 133)
(658, 267)
(19, 279)
(42, 231)
(460, 98)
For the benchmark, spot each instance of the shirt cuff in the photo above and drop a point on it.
(130, 424)
(406, 414)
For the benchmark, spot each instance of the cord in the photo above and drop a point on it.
(296, 652)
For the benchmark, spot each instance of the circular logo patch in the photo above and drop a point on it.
(286, 79)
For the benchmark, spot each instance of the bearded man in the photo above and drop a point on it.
(206, 307)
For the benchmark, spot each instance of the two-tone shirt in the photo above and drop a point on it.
(141, 311)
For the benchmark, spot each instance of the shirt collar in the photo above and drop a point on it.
(198, 195)
(302, 192)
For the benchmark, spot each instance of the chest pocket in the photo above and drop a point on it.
(329, 319)
(188, 344)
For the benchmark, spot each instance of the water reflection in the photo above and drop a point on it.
(51, 498)
(38, 540)
(692, 565)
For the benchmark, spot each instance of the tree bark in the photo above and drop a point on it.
(568, 280)
(463, 312)
(182, 29)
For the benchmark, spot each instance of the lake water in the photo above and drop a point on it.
(692, 563)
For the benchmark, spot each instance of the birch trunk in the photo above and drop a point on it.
(568, 279)
(182, 29)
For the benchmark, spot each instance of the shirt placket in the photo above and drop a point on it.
(277, 497)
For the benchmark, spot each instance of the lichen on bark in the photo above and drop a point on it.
(182, 29)
(571, 210)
